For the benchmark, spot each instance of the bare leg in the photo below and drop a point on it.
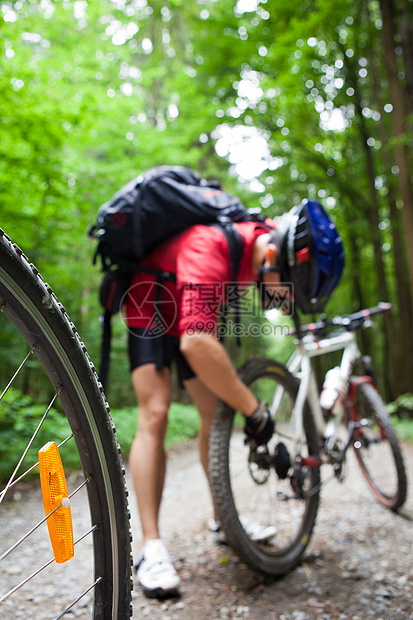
(147, 458)
(206, 402)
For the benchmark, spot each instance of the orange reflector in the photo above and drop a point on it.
(54, 492)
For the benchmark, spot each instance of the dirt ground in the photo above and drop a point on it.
(358, 564)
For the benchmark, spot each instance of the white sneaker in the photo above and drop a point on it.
(218, 535)
(156, 574)
(213, 526)
(255, 531)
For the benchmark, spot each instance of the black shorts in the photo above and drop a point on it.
(146, 350)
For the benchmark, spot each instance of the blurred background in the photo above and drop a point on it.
(281, 101)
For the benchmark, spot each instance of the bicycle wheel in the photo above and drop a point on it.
(96, 582)
(377, 448)
(268, 518)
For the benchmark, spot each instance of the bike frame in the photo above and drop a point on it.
(300, 366)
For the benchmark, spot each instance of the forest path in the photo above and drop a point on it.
(358, 564)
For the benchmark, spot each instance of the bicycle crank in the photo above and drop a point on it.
(260, 462)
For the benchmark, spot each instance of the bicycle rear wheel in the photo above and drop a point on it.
(267, 518)
(377, 448)
(96, 582)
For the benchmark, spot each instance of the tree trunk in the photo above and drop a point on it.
(391, 358)
(397, 98)
(406, 31)
(404, 326)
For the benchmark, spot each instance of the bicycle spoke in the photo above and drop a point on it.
(22, 583)
(39, 570)
(38, 323)
(30, 532)
(16, 373)
(98, 580)
(8, 485)
(33, 467)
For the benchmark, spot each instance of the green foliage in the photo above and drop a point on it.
(126, 423)
(182, 427)
(402, 405)
(404, 428)
(183, 424)
(401, 411)
(94, 93)
(19, 418)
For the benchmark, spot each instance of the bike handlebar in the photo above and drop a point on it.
(350, 322)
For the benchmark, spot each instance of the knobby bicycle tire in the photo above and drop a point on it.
(245, 496)
(28, 302)
(378, 450)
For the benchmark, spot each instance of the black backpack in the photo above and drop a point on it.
(148, 210)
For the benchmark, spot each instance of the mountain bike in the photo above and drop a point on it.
(76, 554)
(279, 484)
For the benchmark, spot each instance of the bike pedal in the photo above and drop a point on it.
(282, 461)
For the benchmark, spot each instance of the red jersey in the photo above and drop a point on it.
(200, 259)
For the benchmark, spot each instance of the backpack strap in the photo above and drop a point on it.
(113, 288)
(235, 245)
(105, 348)
(236, 249)
(159, 355)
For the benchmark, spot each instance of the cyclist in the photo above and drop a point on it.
(302, 248)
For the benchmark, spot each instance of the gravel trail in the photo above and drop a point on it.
(358, 565)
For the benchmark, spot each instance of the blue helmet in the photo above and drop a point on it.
(311, 255)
